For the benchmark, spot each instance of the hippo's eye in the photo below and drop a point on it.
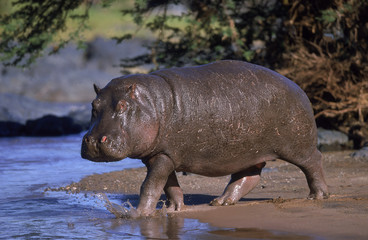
(121, 106)
(94, 113)
(95, 105)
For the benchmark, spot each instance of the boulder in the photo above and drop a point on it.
(17, 108)
(20, 115)
(61, 86)
(51, 125)
(11, 129)
(332, 140)
(69, 75)
(361, 153)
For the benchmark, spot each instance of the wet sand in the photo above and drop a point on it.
(278, 204)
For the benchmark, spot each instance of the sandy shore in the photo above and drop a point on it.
(277, 204)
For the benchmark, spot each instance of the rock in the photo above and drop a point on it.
(11, 129)
(56, 83)
(81, 115)
(332, 140)
(51, 125)
(68, 76)
(16, 108)
(19, 109)
(60, 85)
(105, 54)
(362, 153)
(24, 116)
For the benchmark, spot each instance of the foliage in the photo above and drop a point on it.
(328, 59)
(211, 30)
(28, 30)
(321, 45)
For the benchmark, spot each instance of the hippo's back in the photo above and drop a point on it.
(233, 109)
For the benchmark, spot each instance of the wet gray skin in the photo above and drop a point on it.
(223, 118)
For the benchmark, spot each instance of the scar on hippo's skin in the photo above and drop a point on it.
(132, 89)
(121, 106)
(103, 139)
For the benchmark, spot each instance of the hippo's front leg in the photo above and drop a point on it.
(158, 170)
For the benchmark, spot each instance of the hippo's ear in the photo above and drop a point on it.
(97, 89)
(139, 94)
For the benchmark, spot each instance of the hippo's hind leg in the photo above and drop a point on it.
(313, 170)
(173, 193)
(240, 184)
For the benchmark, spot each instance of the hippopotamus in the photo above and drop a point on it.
(223, 118)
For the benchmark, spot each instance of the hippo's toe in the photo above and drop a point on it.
(215, 202)
(318, 195)
(221, 201)
(175, 206)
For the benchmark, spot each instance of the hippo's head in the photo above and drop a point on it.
(124, 122)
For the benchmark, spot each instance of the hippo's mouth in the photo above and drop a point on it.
(100, 157)
(104, 150)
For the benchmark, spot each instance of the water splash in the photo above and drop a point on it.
(127, 210)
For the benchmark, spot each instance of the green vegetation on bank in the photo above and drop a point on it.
(28, 27)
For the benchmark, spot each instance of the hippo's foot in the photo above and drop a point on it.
(174, 193)
(175, 206)
(314, 196)
(321, 194)
(315, 177)
(313, 170)
(236, 190)
(240, 184)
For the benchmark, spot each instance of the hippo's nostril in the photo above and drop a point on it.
(103, 139)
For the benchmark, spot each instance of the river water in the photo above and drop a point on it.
(30, 165)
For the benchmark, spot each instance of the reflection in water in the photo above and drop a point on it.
(160, 227)
(255, 233)
(156, 227)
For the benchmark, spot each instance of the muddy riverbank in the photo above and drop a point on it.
(278, 204)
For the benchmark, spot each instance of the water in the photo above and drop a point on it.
(30, 165)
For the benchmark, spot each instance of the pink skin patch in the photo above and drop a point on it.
(103, 139)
